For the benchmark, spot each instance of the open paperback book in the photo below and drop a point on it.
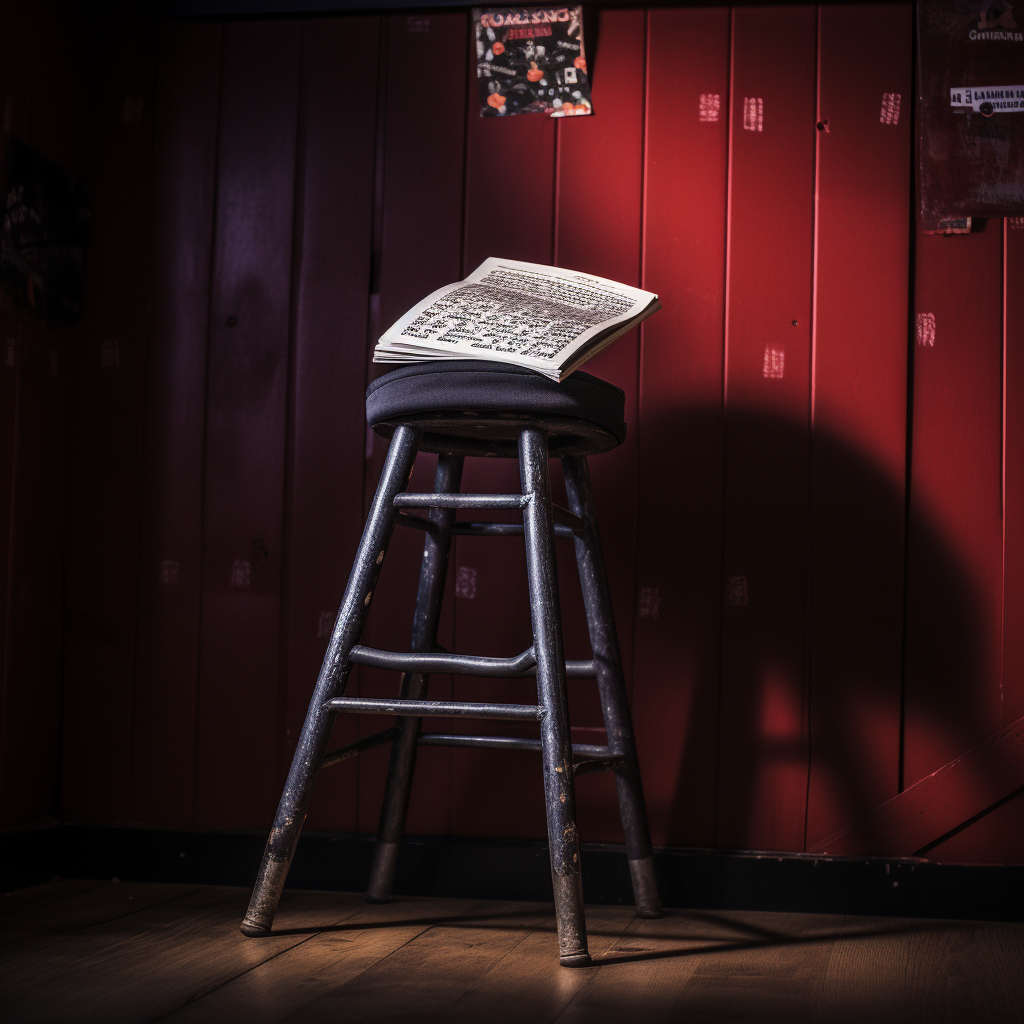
(544, 318)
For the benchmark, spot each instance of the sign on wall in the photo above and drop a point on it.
(971, 131)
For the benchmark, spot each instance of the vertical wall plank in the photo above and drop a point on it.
(13, 55)
(62, 79)
(676, 647)
(30, 738)
(998, 837)
(239, 713)
(424, 153)
(763, 750)
(600, 166)
(510, 175)
(107, 411)
(954, 574)
(1013, 474)
(10, 329)
(42, 69)
(509, 186)
(421, 251)
(325, 473)
(858, 462)
(170, 545)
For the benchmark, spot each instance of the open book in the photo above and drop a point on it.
(544, 318)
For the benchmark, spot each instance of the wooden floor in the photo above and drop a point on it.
(100, 951)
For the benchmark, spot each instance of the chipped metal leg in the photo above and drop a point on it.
(556, 744)
(433, 571)
(316, 730)
(612, 687)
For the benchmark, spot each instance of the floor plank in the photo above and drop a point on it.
(282, 986)
(771, 964)
(428, 974)
(652, 960)
(522, 987)
(161, 958)
(944, 966)
(34, 928)
(47, 892)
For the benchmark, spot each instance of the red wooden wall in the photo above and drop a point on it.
(815, 529)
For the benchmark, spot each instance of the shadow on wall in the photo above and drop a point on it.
(824, 681)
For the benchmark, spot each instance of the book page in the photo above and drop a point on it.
(525, 313)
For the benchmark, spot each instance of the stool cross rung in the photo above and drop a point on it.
(563, 517)
(591, 766)
(584, 751)
(359, 746)
(434, 708)
(487, 529)
(416, 522)
(435, 500)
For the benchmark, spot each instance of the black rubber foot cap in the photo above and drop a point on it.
(648, 912)
(254, 931)
(576, 960)
(377, 899)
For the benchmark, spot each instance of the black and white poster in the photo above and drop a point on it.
(531, 60)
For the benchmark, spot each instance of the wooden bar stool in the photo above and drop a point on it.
(474, 408)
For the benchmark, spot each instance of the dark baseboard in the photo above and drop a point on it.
(511, 870)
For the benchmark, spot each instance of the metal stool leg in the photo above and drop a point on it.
(556, 742)
(316, 730)
(612, 687)
(433, 571)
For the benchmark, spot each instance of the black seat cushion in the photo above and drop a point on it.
(489, 402)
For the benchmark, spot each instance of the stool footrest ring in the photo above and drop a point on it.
(434, 708)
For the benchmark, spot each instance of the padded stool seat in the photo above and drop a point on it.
(476, 407)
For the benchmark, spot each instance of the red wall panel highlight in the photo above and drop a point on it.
(676, 646)
(600, 167)
(763, 743)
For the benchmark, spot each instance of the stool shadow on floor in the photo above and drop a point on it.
(710, 933)
(679, 933)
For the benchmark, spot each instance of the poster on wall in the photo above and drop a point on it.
(971, 90)
(531, 60)
(42, 243)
